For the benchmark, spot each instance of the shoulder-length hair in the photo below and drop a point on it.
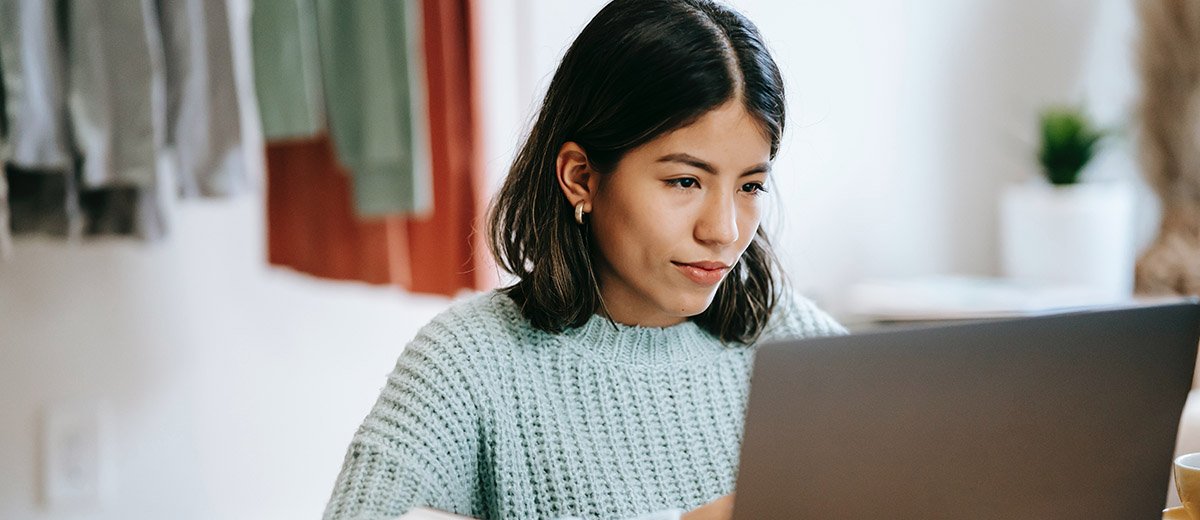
(640, 69)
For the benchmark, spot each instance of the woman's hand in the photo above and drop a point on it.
(719, 509)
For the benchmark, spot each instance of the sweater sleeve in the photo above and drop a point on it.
(797, 317)
(419, 444)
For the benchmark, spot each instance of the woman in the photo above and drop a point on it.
(610, 381)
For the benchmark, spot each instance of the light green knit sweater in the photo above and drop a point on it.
(486, 416)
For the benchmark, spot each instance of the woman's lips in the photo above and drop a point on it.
(703, 273)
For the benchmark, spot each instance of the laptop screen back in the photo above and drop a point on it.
(1066, 416)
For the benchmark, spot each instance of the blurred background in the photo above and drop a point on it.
(225, 219)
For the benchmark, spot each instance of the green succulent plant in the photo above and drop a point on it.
(1069, 141)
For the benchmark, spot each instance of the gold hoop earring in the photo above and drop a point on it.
(579, 213)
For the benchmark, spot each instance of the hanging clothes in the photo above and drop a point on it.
(287, 69)
(5, 230)
(370, 61)
(439, 265)
(37, 149)
(43, 202)
(116, 102)
(311, 225)
(203, 117)
(34, 75)
(116, 90)
(6, 246)
(91, 105)
(52, 203)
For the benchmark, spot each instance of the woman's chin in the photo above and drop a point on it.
(690, 305)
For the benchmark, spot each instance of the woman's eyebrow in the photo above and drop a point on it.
(701, 164)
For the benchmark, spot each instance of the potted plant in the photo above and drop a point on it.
(1069, 141)
(1058, 230)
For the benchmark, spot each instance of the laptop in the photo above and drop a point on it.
(1051, 417)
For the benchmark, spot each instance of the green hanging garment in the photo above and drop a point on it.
(372, 67)
(287, 69)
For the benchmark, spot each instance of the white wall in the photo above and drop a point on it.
(908, 117)
(235, 387)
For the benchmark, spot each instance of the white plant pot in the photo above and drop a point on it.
(1080, 235)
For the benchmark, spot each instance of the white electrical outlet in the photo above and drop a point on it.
(76, 467)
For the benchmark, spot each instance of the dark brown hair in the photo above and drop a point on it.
(640, 69)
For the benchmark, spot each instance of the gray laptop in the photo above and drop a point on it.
(1070, 416)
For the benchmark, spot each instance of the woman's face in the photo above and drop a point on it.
(676, 214)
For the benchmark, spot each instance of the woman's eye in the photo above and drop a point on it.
(686, 182)
(754, 188)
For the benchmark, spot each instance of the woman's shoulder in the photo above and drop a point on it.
(491, 305)
(475, 321)
(462, 341)
(796, 316)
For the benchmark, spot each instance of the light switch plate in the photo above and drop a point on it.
(76, 462)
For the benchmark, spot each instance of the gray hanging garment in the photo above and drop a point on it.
(34, 75)
(37, 150)
(203, 116)
(117, 107)
(115, 90)
(5, 230)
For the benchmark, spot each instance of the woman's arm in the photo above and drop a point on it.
(419, 444)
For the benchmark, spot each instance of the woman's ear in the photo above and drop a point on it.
(575, 175)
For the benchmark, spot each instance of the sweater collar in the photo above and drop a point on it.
(638, 345)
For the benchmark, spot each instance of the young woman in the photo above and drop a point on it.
(610, 381)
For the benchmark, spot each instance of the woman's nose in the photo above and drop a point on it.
(718, 222)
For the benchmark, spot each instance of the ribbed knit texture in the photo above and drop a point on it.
(488, 417)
